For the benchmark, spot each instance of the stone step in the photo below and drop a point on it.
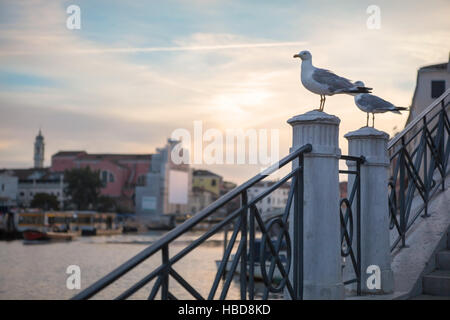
(437, 283)
(443, 260)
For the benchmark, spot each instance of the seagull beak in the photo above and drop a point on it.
(296, 55)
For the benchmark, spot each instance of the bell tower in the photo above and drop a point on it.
(39, 151)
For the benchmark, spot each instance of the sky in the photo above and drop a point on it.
(138, 70)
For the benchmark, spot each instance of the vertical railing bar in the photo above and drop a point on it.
(442, 140)
(298, 234)
(358, 226)
(425, 165)
(243, 273)
(251, 271)
(225, 243)
(165, 276)
(402, 193)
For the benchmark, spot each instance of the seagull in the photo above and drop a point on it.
(325, 82)
(373, 104)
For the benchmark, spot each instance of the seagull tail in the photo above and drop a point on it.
(398, 109)
(356, 89)
(360, 89)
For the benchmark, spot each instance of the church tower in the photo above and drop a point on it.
(39, 151)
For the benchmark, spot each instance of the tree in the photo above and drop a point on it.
(83, 187)
(106, 204)
(45, 201)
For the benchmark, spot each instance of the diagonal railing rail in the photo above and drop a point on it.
(419, 158)
(275, 255)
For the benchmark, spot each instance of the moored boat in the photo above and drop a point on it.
(33, 235)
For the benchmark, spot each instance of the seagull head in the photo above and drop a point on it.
(359, 84)
(304, 55)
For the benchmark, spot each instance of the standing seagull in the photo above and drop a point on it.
(373, 104)
(325, 82)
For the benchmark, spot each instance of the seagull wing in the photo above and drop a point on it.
(333, 81)
(376, 103)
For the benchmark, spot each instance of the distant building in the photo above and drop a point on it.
(204, 192)
(8, 189)
(120, 173)
(273, 203)
(167, 186)
(207, 180)
(39, 151)
(33, 181)
(432, 82)
(200, 199)
(226, 187)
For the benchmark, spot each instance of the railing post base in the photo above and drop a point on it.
(375, 247)
(322, 278)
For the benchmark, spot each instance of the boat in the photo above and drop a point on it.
(92, 223)
(33, 235)
(41, 227)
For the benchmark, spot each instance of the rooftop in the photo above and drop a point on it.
(205, 173)
(95, 156)
(33, 174)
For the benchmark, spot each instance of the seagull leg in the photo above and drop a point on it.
(320, 106)
(323, 105)
(367, 122)
(373, 120)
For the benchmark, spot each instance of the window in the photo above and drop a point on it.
(111, 177)
(104, 177)
(213, 182)
(3, 187)
(141, 180)
(437, 88)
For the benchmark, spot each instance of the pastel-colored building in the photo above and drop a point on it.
(207, 180)
(120, 173)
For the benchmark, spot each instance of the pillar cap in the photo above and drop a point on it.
(314, 116)
(365, 133)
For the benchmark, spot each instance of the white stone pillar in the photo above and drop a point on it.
(321, 239)
(375, 248)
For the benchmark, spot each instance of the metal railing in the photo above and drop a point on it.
(419, 157)
(247, 221)
(349, 223)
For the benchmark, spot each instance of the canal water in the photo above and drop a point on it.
(38, 271)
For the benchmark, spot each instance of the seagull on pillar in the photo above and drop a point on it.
(373, 104)
(324, 82)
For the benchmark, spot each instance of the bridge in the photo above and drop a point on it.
(325, 245)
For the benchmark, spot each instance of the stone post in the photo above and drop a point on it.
(322, 278)
(375, 248)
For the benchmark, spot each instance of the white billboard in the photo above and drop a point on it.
(149, 203)
(178, 187)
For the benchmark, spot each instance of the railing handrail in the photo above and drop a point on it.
(418, 118)
(187, 225)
